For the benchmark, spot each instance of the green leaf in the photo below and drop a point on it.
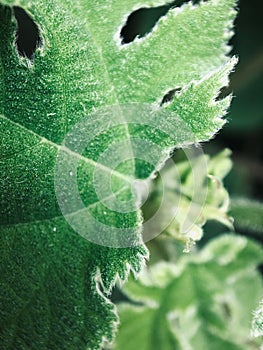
(54, 281)
(204, 301)
(248, 215)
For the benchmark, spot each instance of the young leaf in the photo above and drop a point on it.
(206, 298)
(53, 280)
(195, 193)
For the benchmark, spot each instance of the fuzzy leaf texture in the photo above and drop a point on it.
(53, 281)
(205, 298)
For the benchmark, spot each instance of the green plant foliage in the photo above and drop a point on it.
(196, 193)
(54, 282)
(204, 301)
(248, 215)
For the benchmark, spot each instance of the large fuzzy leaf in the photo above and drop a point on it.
(204, 301)
(53, 280)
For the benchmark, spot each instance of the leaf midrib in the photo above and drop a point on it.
(70, 152)
(41, 221)
(62, 93)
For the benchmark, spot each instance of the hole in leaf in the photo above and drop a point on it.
(224, 92)
(142, 21)
(170, 95)
(28, 37)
